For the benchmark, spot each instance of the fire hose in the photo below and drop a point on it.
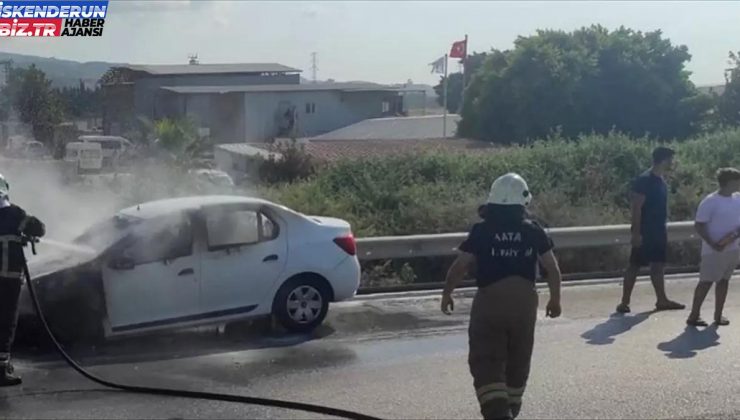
(268, 402)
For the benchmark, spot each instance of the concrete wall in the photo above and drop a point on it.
(332, 110)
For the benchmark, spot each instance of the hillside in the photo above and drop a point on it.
(62, 72)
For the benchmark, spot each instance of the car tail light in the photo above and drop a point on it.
(347, 243)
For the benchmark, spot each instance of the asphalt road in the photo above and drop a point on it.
(400, 358)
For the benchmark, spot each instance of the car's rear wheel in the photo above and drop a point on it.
(301, 304)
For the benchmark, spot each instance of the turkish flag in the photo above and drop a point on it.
(459, 49)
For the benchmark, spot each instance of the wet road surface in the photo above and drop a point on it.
(400, 358)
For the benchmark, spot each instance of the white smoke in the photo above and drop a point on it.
(37, 187)
(68, 209)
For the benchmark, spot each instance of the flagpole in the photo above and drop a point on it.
(444, 101)
(464, 76)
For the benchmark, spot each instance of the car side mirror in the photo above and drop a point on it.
(121, 263)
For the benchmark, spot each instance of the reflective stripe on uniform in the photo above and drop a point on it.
(515, 394)
(5, 240)
(492, 391)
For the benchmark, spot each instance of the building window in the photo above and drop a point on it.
(386, 106)
(310, 108)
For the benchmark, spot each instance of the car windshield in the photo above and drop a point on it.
(104, 234)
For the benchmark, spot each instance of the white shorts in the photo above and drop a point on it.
(718, 266)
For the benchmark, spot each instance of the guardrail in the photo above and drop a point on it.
(391, 247)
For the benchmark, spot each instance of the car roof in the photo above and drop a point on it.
(87, 138)
(158, 208)
(83, 145)
(203, 171)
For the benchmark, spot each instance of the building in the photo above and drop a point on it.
(242, 102)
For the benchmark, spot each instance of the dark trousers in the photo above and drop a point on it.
(501, 337)
(10, 290)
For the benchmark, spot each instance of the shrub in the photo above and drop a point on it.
(580, 182)
(293, 164)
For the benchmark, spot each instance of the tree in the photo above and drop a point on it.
(113, 76)
(6, 104)
(81, 102)
(180, 138)
(454, 82)
(589, 80)
(728, 106)
(175, 136)
(36, 103)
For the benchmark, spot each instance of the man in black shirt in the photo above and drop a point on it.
(649, 206)
(504, 250)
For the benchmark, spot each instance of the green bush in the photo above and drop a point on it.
(582, 182)
(574, 183)
(293, 164)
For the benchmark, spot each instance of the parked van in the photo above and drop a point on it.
(84, 157)
(114, 147)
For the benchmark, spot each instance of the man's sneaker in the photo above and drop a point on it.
(8, 379)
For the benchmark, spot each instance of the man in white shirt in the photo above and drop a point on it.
(718, 223)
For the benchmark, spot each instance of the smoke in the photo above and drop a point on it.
(38, 187)
(68, 209)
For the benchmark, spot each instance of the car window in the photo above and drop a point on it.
(161, 241)
(269, 229)
(232, 227)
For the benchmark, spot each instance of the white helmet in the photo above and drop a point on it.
(4, 187)
(510, 189)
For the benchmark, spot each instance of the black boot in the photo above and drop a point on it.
(6, 376)
(515, 409)
(8, 379)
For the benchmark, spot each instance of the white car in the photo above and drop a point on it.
(209, 178)
(192, 261)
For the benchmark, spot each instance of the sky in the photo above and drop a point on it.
(385, 42)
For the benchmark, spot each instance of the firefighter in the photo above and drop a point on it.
(504, 251)
(14, 225)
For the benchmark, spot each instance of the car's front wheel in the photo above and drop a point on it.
(301, 304)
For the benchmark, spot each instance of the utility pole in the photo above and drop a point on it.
(314, 67)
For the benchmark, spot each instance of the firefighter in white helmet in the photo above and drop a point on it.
(504, 251)
(14, 225)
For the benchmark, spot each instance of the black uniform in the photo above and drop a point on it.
(14, 222)
(502, 319)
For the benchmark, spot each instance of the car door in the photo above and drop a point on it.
(244, 256)
(152, 280)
